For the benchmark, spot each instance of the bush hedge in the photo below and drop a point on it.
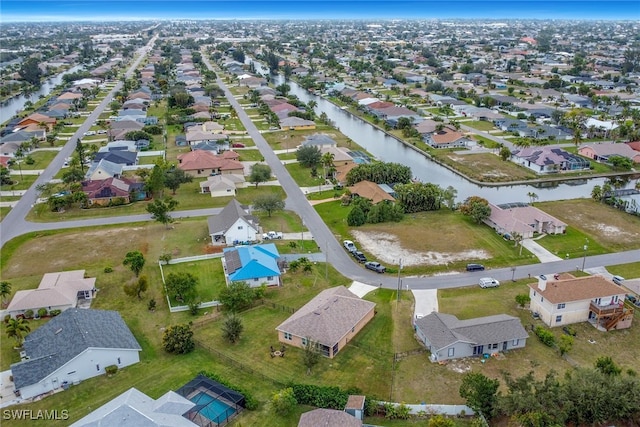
(250, 402)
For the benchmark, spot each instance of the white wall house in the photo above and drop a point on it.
(592, 298)
(72, 347)
(233, 225)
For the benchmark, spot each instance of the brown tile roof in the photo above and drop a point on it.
(578, 289)
(446, 136)
(328, 317)
(343, 170)
(372, 191)
(328, 418)
(202, 159)
(355, 402)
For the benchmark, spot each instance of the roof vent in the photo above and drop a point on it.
(58, 331)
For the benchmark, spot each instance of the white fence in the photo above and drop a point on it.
(150, 153)
(175, 309)
(452, 410)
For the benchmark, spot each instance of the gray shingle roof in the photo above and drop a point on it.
(328, 317)
(443, 330)
(228, 216)
(328, 418)
(67, 335)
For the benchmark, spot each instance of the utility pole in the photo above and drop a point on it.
(326, 260)
(584, 258)
(399, 283)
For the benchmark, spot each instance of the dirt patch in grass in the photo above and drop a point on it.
(389, 249)
(612, 228)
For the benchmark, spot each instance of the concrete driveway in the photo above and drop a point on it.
(540, 252)
(426, 302)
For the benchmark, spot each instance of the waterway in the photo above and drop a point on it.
(16, 104)
(389, 149)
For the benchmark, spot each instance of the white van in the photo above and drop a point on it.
(617, 280)
(488, 282)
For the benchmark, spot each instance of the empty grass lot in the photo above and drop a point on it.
(484, 167)
(209, 274)
(41, 160)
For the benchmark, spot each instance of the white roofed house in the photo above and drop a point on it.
(222, 185)
(57, 291)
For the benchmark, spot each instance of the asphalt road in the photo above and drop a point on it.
(14, 224)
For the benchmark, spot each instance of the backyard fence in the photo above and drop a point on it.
(405, 354)
(451, 410)
(238, 365)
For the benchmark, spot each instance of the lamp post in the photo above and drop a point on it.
(513, 274)
(399, 281)
(584, 258)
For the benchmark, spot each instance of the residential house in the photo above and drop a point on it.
(331, 319)
(103, 169)
(195, 136)
(56, 291)
(135, 409)
(341, 172)
(38, 119)
(319, 140)
(510, 125)
(233, 224)
(592, 299)
(297, 123)
(222, 185)
(446, 138)
(105, 192)
(340, 155)
(447, 337)
(74, 346)
(256, 265)
(328, 417)
(120, 157)
(601, 152)
(548, 159)
(524, 221)
(370, 190)
(200, 162)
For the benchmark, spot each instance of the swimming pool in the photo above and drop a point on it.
(213, 409)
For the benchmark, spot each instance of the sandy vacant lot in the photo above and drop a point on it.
(388, 249)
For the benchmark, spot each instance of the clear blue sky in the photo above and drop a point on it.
(65, 10)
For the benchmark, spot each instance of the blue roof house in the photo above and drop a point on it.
(255, 265)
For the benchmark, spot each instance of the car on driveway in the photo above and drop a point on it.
(349, 245)
(375, 266)
(489, 282)
(237, 145)
(617, 280)
(359, 256)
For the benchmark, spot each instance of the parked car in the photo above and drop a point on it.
(90, 133)
(617, 280)
(489, 282)
(349, 245)
(359, 256)
(375, 266)
(272, 235)
(237, 145)
(475, 267)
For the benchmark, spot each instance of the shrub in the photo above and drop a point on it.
(42, 312)
(6, 318)
(28, 314)
(250, 402)
(283, 402)
(108, 270)
(55, 312)
(545, 336)
(111, 369)
(152, 305)
(523, 299)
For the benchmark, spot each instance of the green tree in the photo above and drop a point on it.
(308, 156)
(178, 339)
(136, 288)
(440, 420)
(480, 393)
(5, 176)
(135, 260)
(259, 173)
(284, 401)
(5, 291)
(174, 177)
(17, 329)
(532, 197)
(181, 286)
(311, 355)
(356, 217)
(565, 344)
(596, 193)
(237, 296)
(523, 299)
(607, 366)
(232, 328)
(268, 203)
(505, 153)
(30, 71)
(160, 210)
(621, 163)
(449, 195)
(155, 180)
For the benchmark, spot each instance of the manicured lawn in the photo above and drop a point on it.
(148, 160)
(4, 211)
(284, 221)
(480, 125)
(209, 274)
(629, 271)
(250, 155)
(41, 158)
(20, 182)
(301, 175)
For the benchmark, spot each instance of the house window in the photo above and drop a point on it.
(269, 278)
(240, 227)
(71, 373)
(541, 299)
(493, 346)
(558, 319)
(451, 352)
(119, 362)
(287, 336)
(304, 341)
(256, 279)
(561, 306)
(353, 329)
(516, 342)
(98, 368)
(534, 293)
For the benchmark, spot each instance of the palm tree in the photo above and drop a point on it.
(17, 329)
(5, 291)
(327, 161)
(532, 196)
